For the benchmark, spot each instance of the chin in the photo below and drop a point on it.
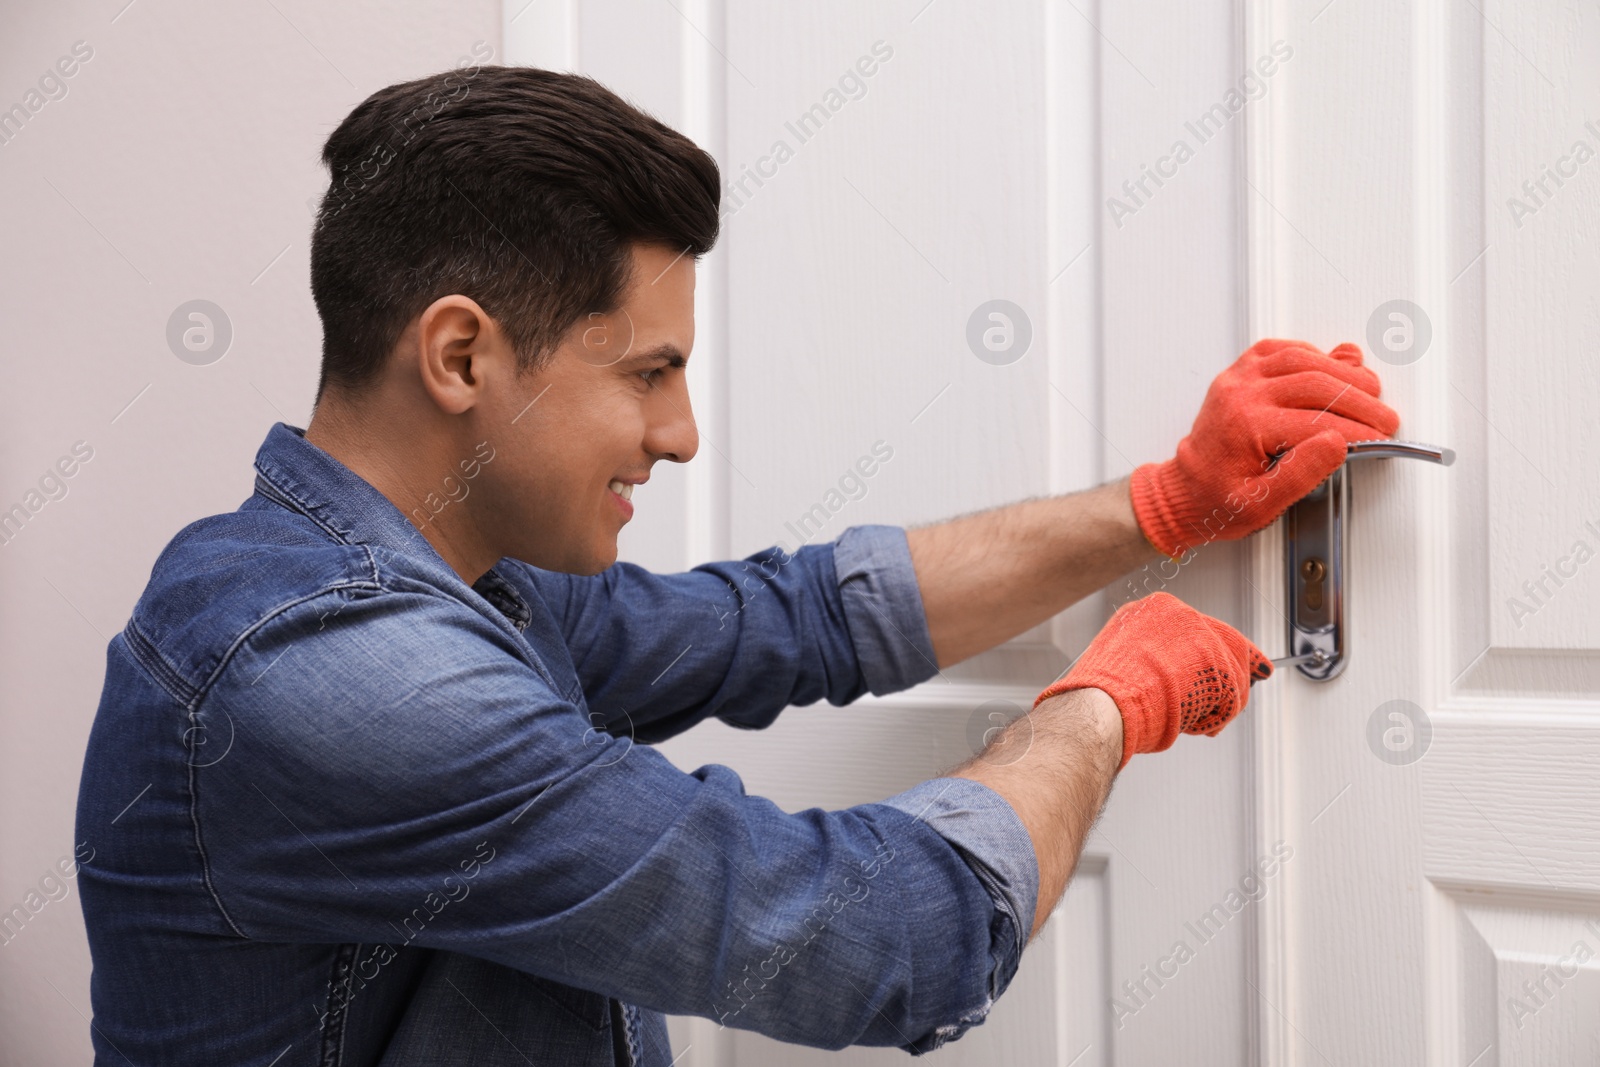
(606, 561)
(596, 562)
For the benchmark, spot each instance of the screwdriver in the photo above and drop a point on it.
(1316, 658)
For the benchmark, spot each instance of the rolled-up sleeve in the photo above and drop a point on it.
(986, 831)
(883, 607)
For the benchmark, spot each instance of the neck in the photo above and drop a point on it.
(407, 456)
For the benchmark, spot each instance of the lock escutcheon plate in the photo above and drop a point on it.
(1313, 531)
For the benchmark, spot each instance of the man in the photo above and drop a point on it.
(385, 729)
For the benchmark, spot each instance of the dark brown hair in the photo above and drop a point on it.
(521, 188)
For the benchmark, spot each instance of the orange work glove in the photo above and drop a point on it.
(1272, 427)
(1168, 668)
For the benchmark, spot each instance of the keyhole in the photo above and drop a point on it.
(1313, 571)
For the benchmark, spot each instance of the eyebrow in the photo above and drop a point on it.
(667, 351)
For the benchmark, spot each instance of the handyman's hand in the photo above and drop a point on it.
(1169, 669)
(1272, 427)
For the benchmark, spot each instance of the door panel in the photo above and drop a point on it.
(976, 163)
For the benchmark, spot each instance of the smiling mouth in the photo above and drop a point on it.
(622, 489)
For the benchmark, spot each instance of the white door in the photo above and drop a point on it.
(1153, 188)
(1443, 795)
(873, 219)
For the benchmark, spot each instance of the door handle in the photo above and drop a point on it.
(1316, 563)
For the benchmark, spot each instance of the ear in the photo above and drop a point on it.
(458, 347)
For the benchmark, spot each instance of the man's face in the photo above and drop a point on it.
(611, 401)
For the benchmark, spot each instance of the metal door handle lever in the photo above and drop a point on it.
(1315, 563)
(1400, 450)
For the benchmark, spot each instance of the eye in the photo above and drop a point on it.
(651, 376)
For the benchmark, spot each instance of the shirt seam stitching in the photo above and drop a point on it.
(284, 497)
(144, 652)
(200, 848)
(192, 708)
(370, 584)
(340, 980)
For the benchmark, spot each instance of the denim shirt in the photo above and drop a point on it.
(346, 809)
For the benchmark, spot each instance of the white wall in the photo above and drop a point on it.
(177, 166)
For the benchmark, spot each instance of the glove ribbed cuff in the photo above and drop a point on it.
(1148, 488)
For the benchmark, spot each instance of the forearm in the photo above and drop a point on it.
(987, 577)
(1054, 766)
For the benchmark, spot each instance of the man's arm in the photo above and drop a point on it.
(1157, 669)
(1273, 425)
(987, 577)
(741, 639)
(1071, 745)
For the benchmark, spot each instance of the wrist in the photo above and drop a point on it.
(1094, 716)
(1127, 515)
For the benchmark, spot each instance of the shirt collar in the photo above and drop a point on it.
(300, 476)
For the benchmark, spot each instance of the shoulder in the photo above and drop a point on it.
(227, 579)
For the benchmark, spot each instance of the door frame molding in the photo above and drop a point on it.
(1261, 22)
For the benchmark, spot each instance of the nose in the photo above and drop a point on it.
(670, 432)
